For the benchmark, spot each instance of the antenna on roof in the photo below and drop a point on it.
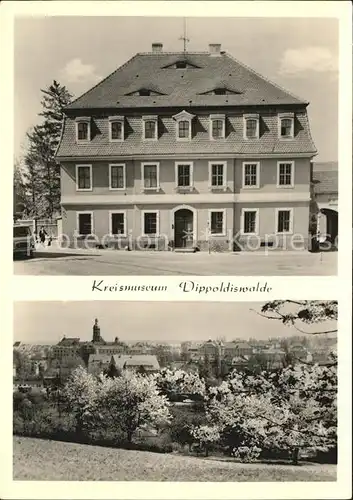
(184, 37)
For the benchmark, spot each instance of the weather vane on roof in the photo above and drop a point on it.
(184, 37)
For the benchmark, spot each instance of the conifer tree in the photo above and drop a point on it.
(43, 172)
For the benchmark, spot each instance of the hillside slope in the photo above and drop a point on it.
(37, 459)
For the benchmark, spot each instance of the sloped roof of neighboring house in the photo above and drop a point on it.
(240, 359)
(97, 358)
(272, 350)
(184, 89)
(325, 181)
(237, 345)
(325, 166)
(69, 341)
(148, 70)
(136, 360)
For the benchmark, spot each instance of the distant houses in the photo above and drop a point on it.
(37, 366)
(143, 363)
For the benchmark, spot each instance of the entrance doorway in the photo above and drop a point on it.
(183, 228)
(328, 225)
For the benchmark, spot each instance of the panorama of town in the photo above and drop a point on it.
(38, 367)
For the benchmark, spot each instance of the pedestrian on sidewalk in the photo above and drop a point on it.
(42, 235)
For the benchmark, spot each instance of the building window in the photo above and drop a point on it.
(218, 174)
(217, 129)
(251, 126)
(83, 177)
(184, 174)
(251, 174)
(217, 220)
(85, 223)
(285, 174)
(117, 223)
(184, 129)
(183, 125)
(116, 130)
(83, 129)
(220, 91)
(286, 125)
(150, 175)
(181, 64)
(117, 176)
(284, 221)
(150, 222)
(249, 221)
(150, 129)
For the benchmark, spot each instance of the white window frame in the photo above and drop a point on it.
(111, 213)
(183, 116)
(225, 167)
(285, 209)
(213, 118)
(143, 212)
(183, 139)
(117, 120)
(82, 212)
(251, 117)
(77, 167)
(257, 185)
(110, 176)
(257, 222)
(291, 185)
(149, 119)
(149, 163)
(224, 225)
(83, 120)
(191, 164)
(285, 116)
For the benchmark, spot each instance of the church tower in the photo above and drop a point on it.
(96, 339)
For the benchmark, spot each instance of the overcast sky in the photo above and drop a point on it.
(131, 321)
(299, 54)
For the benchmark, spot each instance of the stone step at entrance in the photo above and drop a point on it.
(184, 250)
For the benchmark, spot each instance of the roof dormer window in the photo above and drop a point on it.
(116, 128)
(83, 129)
(181, 64)
(150, 128)
(151, 90)
(251, 126)
(286, 125)
(220, 91)
(183, 126)
(217, 127)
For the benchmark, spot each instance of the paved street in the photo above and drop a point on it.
(54, 261)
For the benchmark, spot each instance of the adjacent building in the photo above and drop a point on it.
(185, 150)
(325, 199)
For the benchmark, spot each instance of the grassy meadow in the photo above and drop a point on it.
(44, 460)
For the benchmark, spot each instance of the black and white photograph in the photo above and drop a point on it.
(225, 392)
(177, 303)
(175, 145)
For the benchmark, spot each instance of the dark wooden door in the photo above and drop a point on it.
(183, 229)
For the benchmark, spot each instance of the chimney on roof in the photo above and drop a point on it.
(157, 47)
(214, 49)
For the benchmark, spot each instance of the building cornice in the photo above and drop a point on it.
(188, 156)
(177, 199)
